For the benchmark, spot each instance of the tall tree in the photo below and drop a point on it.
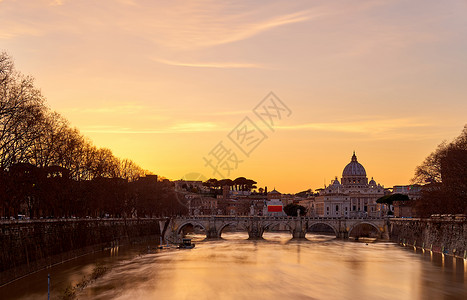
(446, 171)
(431, 170)
(21, 113)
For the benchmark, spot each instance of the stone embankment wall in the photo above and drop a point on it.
(442, 235)
(28, 246)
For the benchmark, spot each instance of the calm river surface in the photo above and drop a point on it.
(274, 268)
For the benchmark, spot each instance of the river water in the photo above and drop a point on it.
(277, 267)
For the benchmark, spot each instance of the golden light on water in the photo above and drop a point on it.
(275, 268)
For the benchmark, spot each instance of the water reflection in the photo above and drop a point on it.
(277, 267)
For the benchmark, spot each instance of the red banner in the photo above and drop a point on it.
(274, 208)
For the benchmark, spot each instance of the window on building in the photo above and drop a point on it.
(337, 207)
(327, 208)
(365, 208)
(346, 208)
(354, 208)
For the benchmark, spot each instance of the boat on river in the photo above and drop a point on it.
(186, 244)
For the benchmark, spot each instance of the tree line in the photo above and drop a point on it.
(32, 133)
(38, 146)
(238, 184)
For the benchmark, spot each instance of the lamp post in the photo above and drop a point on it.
(48, 286)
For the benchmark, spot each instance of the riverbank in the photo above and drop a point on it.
(27, 247)
(440, 235)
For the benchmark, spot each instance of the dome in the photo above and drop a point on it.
(336, 182)
(372, 182)
(354, 168)
(274, 192)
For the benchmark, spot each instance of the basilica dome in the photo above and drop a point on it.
(336, 182)
(354, 168)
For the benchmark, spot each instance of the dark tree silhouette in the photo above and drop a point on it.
(49, 169)
(445, 171)
(292, 208)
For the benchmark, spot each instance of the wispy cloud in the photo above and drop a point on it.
(195, 127)
(181, 25)
(388, 129)
(128, 2)
(56, 2)
(118, 109)
(223, 65)
(228, 113)
(11, 30)
(244, 31)
(372, 128)
(189, 127)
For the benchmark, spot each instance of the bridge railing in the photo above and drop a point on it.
(239, 217)
(46, 220)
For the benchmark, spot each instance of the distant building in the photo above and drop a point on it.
(201, 205)
(354, 196)
(273, 205)
(309, 204)
(148, 179)
(403, 209)
(413, 191)
(290, 199)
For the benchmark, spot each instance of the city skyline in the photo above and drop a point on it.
(163, 84)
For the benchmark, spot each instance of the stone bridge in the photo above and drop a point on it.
(256, 225)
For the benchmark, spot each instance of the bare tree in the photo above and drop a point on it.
(6, 67)
(21, 111)
(445, 170)
(49, 168)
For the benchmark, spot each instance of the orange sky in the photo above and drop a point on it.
(163, 82)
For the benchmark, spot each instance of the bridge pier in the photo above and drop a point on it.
(211, 233)
(344, 234)
(211, 230)
(298, 234)
(254, 235)
(255, 230)
(342, 230)
(299, 229)
(385, 234)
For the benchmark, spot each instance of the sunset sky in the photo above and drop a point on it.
(163, 82)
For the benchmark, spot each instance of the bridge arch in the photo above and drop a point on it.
(192, 223)
(272, 224)
(239, 226)
(267, 228)
(334, 229)
(372, 225)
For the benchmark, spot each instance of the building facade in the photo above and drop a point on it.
(274, 206)
(353, 197)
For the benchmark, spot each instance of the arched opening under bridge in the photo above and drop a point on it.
(191, 230)
(364, 231)
(231, 231)
(279, 232)
(320, 232)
